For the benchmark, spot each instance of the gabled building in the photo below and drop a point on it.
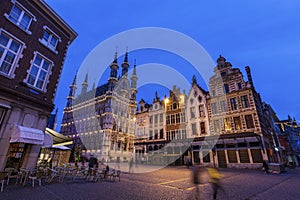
(242, 131)
(34, 41)
(198, 123)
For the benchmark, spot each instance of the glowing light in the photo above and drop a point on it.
(166, 101)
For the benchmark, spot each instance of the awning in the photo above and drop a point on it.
(62, 148)
(27, 135)
(48, 141)
(59, 139)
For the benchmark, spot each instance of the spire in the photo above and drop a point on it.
(134, 79)
(84, 84)
(125, 64)
(75, 79)
(93, 87)
(194, 80)
(116, 56)
(126, 55)
(113, 70)
(134, 68)
(73, 88)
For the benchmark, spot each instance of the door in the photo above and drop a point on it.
(221, 159)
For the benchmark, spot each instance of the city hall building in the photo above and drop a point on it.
(101, 121)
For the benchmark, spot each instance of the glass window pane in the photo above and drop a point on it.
(31, 79)
(9, 57)
(42, 75)
(34, 71)
(38, 60)
(15, 14)
(14, 46)
(45, 65)
(46, 36)
(39, 84)
(24, 24)
(1, 52)
(3, 40)
(53, 41)
(5, 67)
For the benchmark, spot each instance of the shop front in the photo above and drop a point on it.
(24, 147)
(53, 152)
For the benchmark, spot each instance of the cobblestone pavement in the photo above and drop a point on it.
(168, 183)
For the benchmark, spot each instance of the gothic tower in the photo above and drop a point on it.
(134, 79)
(112, 80)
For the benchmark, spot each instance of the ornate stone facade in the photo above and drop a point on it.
(101, 121)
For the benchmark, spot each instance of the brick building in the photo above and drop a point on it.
(33, 45)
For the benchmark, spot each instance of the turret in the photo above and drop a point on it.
(125, 65)
(73, 88)
(113, 72)
(84, 84)
(134, 79)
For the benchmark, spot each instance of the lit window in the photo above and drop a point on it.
(39, 72)
(237, 123)
(20, 16)
(227, 124)
(9, 50)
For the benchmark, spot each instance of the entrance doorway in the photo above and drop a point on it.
(222, 159)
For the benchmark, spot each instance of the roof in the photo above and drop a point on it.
(58, 139)
(45, 7)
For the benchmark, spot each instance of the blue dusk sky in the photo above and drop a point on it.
(264, 35)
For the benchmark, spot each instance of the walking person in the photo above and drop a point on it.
(131, 165)
(196, 179)
(93, 162)
(215, 178)
(266, 166)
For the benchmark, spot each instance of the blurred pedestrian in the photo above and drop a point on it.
(266, 166)
(131, 165)
(215, 178)
(188, 162)
(93, 162)
(196, 179)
